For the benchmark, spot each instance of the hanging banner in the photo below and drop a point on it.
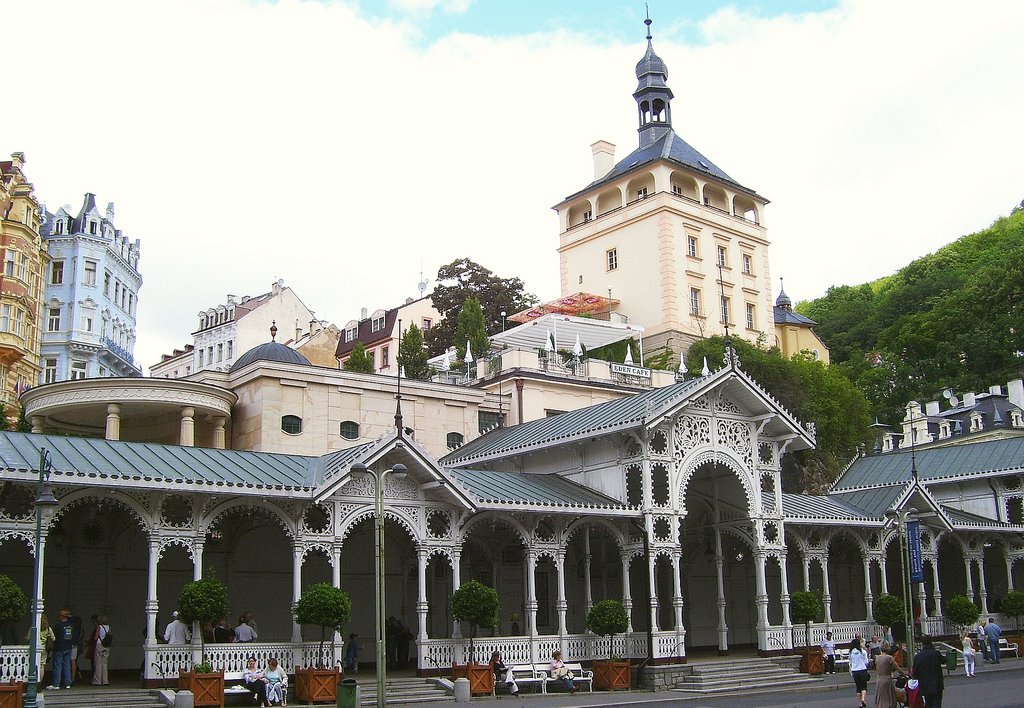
(914, 550)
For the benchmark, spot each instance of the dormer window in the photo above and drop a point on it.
(92, 228)
(1016, 420)
(377, 324)
(944, 430)
(58, 226)
(977, 424)
(350, 333)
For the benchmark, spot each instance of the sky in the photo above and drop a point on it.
(346, 147)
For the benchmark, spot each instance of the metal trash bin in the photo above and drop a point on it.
(951, 659)
(348, 694)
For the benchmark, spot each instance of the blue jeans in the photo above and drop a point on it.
(62, 668)
(993, 649)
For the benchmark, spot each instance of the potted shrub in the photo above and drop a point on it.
(805, 607)
(13, 607)
(606, 619)
(203, 600)
(329, 607)
(889, 612)
(478, 605)
(962, 612)
(1013, 606)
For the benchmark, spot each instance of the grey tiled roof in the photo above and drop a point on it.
(935, 463)
(93, 458)
(964, 518)
(532, 489)
(621, 413)
(872, 502)
(669, 147)
(857, 505)
(784, 316)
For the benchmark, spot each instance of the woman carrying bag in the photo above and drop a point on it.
(859, 671)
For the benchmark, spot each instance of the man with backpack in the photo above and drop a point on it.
(101, 653)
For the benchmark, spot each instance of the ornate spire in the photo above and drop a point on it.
(273, 330)
(652, 94)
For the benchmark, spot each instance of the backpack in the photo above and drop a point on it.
(107, 640)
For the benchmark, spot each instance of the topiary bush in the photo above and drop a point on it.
(203, 600)
(13, 603)
(325, 605)
(478, 605)
(889, 611)
(960, 610)
(1013, 605)
(606, 619)
(805, 607)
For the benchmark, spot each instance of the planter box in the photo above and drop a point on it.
(317, 685)
(207, 689)
(10, 694)
(611, 675)
(813, 661)
(481, 678)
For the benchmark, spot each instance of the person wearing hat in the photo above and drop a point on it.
(177, 632)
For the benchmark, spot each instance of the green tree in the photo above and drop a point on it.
(960, 610)
(470, 328)
(889, 611)
(13, 604)
(1013, 605)
(606, 619)
(478, 605)
(413, 355)
(805, 607)
(203, 600)
(23, 426)
(324, 605)
(810, 391)
(461, 279)
(359, 360)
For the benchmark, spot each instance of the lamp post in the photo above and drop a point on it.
(398, 471)
(901, 518)
(45, 504)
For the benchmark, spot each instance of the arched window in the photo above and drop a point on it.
(291, 424)
(349, 429)
(454, 440)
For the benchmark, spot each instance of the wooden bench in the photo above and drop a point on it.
(1006, 647)
(234, 686)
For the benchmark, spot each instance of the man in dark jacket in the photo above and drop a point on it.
(928, 671)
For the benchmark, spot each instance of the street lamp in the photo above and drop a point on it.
(901, 518)
(398, 471)
(45, 504)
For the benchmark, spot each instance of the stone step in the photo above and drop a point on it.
(773, 688)
(728, 675)
(96, 697)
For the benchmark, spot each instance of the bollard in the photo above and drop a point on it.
(462, 690)
(184, 699)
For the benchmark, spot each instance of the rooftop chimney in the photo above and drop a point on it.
(1015, 391)
(969, 400)
(604, 158)
(362, 313)
(931, 408)
(996, 390)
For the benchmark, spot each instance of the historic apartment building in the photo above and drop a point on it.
(678, 242)
(379, 332)
(21, 282)
(91, 297)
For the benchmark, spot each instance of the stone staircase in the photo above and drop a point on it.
(400, 691)
(96, 697)
(749, 675)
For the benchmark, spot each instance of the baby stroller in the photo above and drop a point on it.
(908, 693)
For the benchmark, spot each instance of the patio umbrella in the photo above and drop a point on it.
(705, 371)
(629, 355)
(469, 354)
(446, 363)
(577, 349)
(549, 343)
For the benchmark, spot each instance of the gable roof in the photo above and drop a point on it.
(784, 315)
(985, 457)
(492, 487)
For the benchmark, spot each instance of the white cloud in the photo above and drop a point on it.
(420, 7)
(248, 141)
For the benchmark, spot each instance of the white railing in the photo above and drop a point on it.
(165, 660)
(842, 632)
(14, 663)
(440, 654)
(776, 638)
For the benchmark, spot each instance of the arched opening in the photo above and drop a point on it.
(592, 552)
(96, 562)
(439, 596)
(716, 556)
(18, 564)
(358, 579)
(715, 197)
(773, 584)
(665, 584)
(745, 209)
(494, 554)
(248, 549)
(996, 582)
(684, 186)
(952, 571)
(580, 213)
(640, 188)
(846, 579)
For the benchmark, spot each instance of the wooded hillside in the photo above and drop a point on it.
(953, 318)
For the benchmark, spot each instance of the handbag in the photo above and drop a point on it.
(49, 644)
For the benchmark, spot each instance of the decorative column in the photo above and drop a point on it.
(336, 565)
(807, 574)
(970, 580)
(296, 589)
(152, 605)
(1009, 574)
(561, 605)
(588, 595)
(936, 593)
(869, 597)
(826, 598)
(456, 584)
(653, 585)
(113, 431)
(421, 600)
(187, 436)
(627, 598)
(677, 589)
(787, 620)
(197, 558)
(219, 442)
(723, 628)
(881, 575)
(983, 585)
(531, 602)
(761, 584)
